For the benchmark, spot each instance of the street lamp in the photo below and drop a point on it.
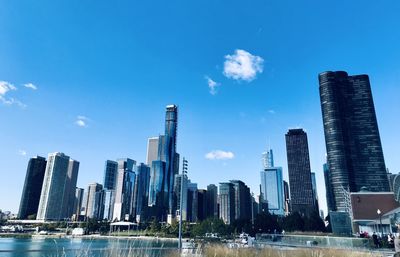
(380, 220)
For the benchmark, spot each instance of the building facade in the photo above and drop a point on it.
(353, 144)
(32, 187)
(301, 192)
(212, 201)
(124, 190)
(58, 188)
(226, 202)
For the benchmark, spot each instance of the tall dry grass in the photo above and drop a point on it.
(220, 251)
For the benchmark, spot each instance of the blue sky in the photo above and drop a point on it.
(104, 71)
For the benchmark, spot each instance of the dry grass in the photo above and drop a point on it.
(220, 251)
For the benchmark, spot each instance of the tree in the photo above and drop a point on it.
(293, 222)
(314, 223)
(266, 223)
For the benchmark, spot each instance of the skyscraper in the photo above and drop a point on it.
(201, 204)
(272, 189)
(226, 202)
(171, 157)
(212, 201)
(70, 187)
(328, 188)
(353, 144)
(272, 185)
(124, 189)
(32, 187)
(110, 175)
(301, 193)
(242, 200)
(286, 196)
(268, 159)
(152, 150)
(314, 188)
(181, 180)
(94, 201)
(58, 187)
(192, 201)
(141, 194)
(158, 194)
(79, 192)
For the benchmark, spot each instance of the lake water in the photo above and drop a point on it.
(69, 247)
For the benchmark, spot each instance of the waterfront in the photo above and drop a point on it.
(85, 247)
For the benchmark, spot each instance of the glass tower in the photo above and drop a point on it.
(32, 187)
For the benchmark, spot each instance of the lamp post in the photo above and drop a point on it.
(380, 220)
(184, 172)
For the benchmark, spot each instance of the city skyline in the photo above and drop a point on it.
(72, 99)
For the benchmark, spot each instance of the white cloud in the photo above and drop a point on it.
(22, 152)
(11, 101)
(212, 85)
(271, 111)
(242, 65)
(219, 155)
(5, 87)
(81, 121)
(31, 86)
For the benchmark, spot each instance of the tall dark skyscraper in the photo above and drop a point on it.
(171, 157)
(353, 144)
(110, 175)
(301, 191)
(212, 201)
(32, 188)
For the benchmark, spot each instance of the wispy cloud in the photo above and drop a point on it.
(31, 86)
(219, 155)
(22, 152)
(242, 65)
(212, 85)
(271, 111)
(81, 121)
(5, 88)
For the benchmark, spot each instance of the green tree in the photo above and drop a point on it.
(266, 223)
(293, 222)
(314, 223)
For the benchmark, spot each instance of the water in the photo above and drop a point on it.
(80, 247)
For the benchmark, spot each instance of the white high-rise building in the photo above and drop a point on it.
(58, 190)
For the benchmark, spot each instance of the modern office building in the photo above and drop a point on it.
(158, 191)
(212, 201)
(242, 200)
(301, 193)
(110, 175)
(272, 190)
(79, 193)
(227, 202)
(152, 150)
(267, 159)
(32, 188)
(192, 202)
(108, 203)
(171, 157)
(272, 184)
(70, 187)
(286, 197)
(314, 188)
(201, 204)
(124, 190)
(353, 144)
(94, 201)
(141, 193)
(181, 180)
(58, 185)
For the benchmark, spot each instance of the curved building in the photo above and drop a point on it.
(353, 144)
